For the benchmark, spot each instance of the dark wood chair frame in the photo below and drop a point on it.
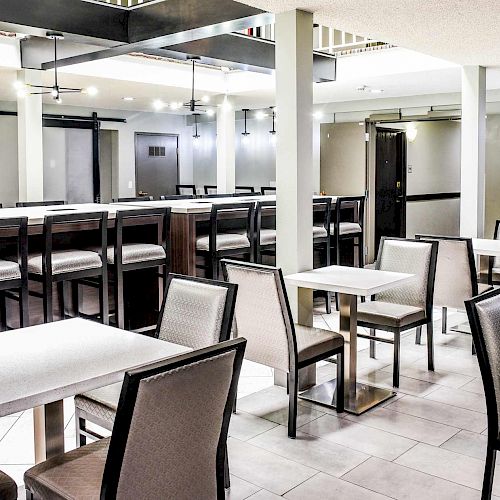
(396, 342)
(178, 188)
(209, 187)
(244, 190)
(128, 218)
(491, 260)
(271, 190)
(295, 365)
(489, 390)
(81, 222)
(39, 203)
(223, 195)
(167, 197)
(245, 195)
(132, 199)
(16, 228)
(213, 255)
(261, 207)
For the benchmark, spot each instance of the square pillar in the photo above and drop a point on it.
(226, 139)
(30, 141)
(294, 152)
(472, 174)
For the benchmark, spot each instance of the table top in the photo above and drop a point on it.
(483, 246)
(349, 280)
(46, 363)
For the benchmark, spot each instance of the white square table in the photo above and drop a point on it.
(349, 283)
(41, 365)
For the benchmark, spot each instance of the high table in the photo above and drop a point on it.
(348, 283)
(41, 365)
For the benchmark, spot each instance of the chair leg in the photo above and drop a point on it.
(337, 302)
(119, 302)
(397, 352)
(444, 320)
(75, 298)
(418, 335)
(361, 250)
(430, 346)
(215, 267)
(48, 314)
(104, 300)
(3, 313)
(340, 382)
(293, 386)
(474, 353)
(227, 477)
(60, 297)
(489, 472)
(29, 495)
(24, 314)
(81, 425)
(372, 344)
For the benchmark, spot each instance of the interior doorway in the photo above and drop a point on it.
(390, 184)
(156, 164)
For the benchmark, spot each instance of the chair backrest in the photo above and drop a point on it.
(244, 189)
(357, 203)
(484, 318)
(209, 189)
(268, 190)
(263, 208)
(322, 208)
(214, 195)
(171, 425)
(14, 235)
(39, 203)
(494, 262)
(456, 278)
(262, 313)
(196, 312)
(133, 198)
(412, 257)
(164, 197)
(185, 189)
(245, 194)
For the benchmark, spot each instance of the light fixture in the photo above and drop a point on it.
(196, 136)
(128, 98)
(260, 115)
(174, 105)
(210, 112)
(205, 99)
(369, 90)
(318, 114)
(245, 133)
(158, 104)
(91, 91)
(225, 69)
(411, 132)
(273, 130)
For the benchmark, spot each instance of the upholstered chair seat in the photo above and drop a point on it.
(66, 261)
(346, 228)
(9, 270)
(267, 236)
(319, 232)
(8, 487)
(313, 342)
(389, 313)
(76, 474)
(137, 252)
(101, 402)
(225, 241)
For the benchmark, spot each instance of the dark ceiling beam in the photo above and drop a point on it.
(177, 21)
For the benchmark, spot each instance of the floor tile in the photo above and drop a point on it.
(459, 398)
(244, 426)
(265, 469)
(359, 437)
(264, 495)
(6, 424)
(17, 446)
(475, 385)
(406, 425)
(325, 487)
(403, 483)
(311, 451)
(240, 489)
(441, 413)
(468, 443)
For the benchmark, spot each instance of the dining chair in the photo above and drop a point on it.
(263, 317)
(265, 229)
(8, 487)
(39, 203)
(210, 189)
(195, 313)
(494, 262)
(164, 197)
(215, 195)
(169, 438)
(66, 259)
(265, 190)
(456, 276)
(231, 235)
(406, 306)
(483, 312)
(14, 268)
(132, 199)
(185, 189)
(244, 189)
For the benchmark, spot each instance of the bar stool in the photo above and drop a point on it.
(130, 252)
(70, 264)
(136, 198)
(210, 189)
(228, 236)
(39, 203)
(185, 189)
(14, 271)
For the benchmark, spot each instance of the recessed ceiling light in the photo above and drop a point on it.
(260, 115)
(210, 112)
(205, 98)
(91, 91)
(225, 69)
(376, 91)
(367, 89)
(128, 98)
(318, 114)
(158, 104)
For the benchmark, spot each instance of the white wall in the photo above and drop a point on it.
(492, 212)
(9, 186)
(54, 163)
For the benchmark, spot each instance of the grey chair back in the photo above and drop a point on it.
(185, 189)
(412, 257)
(196, 312)
(171, 426)
(262, 313)
(456, 278)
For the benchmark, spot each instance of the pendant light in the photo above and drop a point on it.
(273, 131)
(196, 136)
(245, 133)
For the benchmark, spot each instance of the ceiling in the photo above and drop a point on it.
(462, 31)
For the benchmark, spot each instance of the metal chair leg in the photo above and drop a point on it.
(418, 335)
(227, 477)
(293, 386)
(444, 320)
(430, 346)
(397, 352)
(489, 472)
(372, 344)
(340, 382)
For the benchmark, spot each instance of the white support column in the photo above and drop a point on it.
(316, 156)
(294, 152)
(226, 132)
(472, 180)
(30, 143)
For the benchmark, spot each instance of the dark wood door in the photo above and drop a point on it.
(390, 184)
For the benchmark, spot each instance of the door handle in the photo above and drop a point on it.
(143, 193)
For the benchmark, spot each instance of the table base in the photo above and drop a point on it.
(367, 396)
(462, 328)
(49, 430)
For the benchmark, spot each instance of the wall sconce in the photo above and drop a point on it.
(411, 132)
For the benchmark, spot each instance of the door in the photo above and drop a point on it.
(156, 164)
(390, 184)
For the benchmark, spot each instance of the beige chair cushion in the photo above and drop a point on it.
(267, 236)
(319, 232)
(8, 487)
(101, 402)
(137, 252)
(9, 270)
(225, 241)
(389, 314)
(346, 228)
(65, 261)
(312, 342)
(74, 475)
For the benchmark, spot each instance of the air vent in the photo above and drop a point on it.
(155, 151)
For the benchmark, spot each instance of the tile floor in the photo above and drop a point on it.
(426, 443)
